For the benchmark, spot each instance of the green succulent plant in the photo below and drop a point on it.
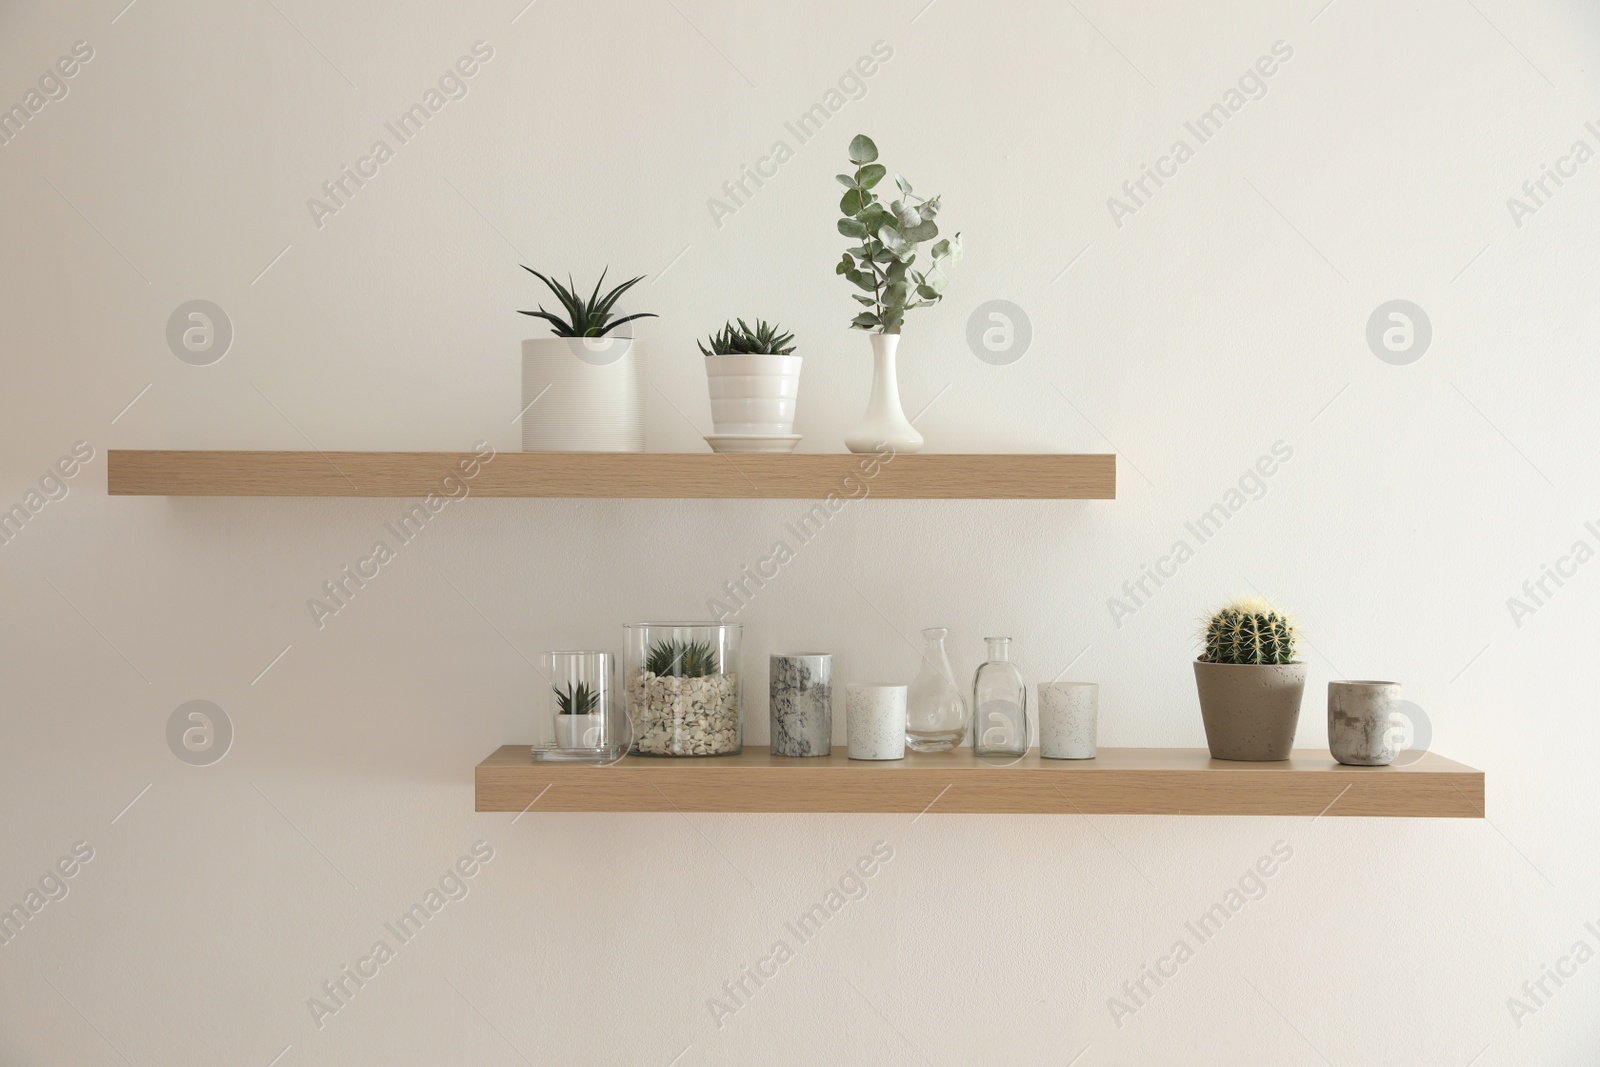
(764, 340)
(585, 318)
(889, 234)
(577, 700)
(1250, 632)
(680, 659)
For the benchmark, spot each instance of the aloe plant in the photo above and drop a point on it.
(585, 318)
(763, 340)
(577, 700)
(1250, 632)
(692, 659)
(889, 234)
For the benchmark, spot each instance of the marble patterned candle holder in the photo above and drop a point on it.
(1068, 719)
(875, 721)
(801, 704)
(1360, 730)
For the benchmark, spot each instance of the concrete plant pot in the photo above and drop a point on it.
(1250, 711)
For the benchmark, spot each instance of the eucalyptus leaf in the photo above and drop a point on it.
(871, 175)
(922, 231)
(892, 240)
(850, 203)
(905, 186)
(866, 320)
(846, 181)
(867, 300)
(955, 251)
(854, 228)
(925, 291)
(862, 150)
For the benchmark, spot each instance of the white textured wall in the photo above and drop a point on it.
(1228, 313)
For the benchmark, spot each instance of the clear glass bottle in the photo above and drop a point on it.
(936, 710)
(999, 704)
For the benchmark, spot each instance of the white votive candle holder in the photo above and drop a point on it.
(1068, 719)
(875, 721)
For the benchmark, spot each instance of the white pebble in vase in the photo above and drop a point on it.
(875, 721)
(1068, 719)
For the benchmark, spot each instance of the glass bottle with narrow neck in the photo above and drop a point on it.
(936, 710)
(999, 704)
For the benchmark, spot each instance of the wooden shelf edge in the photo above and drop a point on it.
(614, 475)
(1119, 782)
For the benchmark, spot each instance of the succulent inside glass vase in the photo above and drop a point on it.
(683, 689)
(581, 702)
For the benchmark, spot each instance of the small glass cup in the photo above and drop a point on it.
(583, 707)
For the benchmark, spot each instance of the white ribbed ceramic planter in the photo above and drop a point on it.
(582, 394)
(753, 394)
(1068, 719)
(875, 721)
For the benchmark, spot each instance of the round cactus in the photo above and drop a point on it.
(1250, 632)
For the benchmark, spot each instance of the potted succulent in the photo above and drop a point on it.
(755, 382)
(1250, 683)
(580, 701)
(579, 724)
(881, 266)
(683, 691)
(583, 389)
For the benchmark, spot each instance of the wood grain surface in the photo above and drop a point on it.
(1129, 781)
(614, 474)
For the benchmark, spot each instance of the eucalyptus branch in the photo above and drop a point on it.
(895, 230)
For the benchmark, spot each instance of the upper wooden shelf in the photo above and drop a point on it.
(613, 474)
(1126, 781)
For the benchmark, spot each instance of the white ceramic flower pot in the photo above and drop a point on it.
(753, 394)
(575, 732)
(582, 394)
(885, 423)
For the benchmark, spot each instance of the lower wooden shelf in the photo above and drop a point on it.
(1125, 781)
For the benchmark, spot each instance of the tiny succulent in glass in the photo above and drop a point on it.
(577, 699)
(1250, 632)
(586, 716)
(584, 318)
(764, 340)
(881, 265)
(681, 659)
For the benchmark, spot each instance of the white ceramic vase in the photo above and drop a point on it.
(753, 394)
(885, 423)
(582, 394)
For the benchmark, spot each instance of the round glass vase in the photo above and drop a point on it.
(684, 690)
(583, 707)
